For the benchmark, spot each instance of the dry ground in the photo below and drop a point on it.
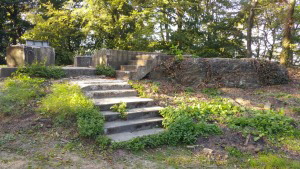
(32, 141)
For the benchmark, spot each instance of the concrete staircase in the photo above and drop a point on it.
(142, 115)
(137, 68)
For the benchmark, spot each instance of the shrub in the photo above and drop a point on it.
(105, 70)
(18, 92)
(67, 103)
(41, 70)
(260, 123)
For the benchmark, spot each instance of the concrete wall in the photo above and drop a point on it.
(19, 55)
(83, 61)
(116, 58)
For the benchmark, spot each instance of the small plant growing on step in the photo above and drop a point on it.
(105, 70)
(177, 52)
(121, 108)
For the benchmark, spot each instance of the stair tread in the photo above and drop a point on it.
(120, 123)
(116, 100)
(125, 136)
(134, 110)
(112, 91)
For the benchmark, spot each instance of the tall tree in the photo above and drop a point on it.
(250, 22)
(286, 55)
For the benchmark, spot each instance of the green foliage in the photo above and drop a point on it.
(234, 152)
(41, 70)
(218, 110)
(18, 92)
(183, 131)
(67, 103)
(144, 88)
(213, 92)
(270, 124)
(270, 161)
(105, 70)
(139, 88)
(103, 141)
(189, 90)
(121, 108)
(177, 52)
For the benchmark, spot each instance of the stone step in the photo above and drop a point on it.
(144, 57)
(126, 75)
(129, 67)
(111, 93)
(140, 62)
(125, 136)
(132, 102)
(137, 113)
(105, 86)
(132, 125)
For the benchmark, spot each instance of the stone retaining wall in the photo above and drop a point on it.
(221, 72)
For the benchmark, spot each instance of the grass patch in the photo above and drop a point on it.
(18, 93)
(271, 161)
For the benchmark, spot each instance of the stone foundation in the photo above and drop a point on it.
(221, 72)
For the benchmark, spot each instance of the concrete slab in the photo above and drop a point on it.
(125, 136)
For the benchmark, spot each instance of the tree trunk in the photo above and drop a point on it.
(286, 53)
(250, 26)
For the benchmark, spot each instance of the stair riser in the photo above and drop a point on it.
(130, 105)
(106, 87)
(129, 67)
(143, 57)
(126, 76)
(133, 116)
(133, 127)
(113, 94)
(140, 62)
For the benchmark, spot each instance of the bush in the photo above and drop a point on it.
(40, 70)
(105, 70)
(18, 92)
(67, 103)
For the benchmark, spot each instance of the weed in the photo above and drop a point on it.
(177, 52)
(265, 123)
(234, 152)
(218, 110)
(213, 92)
(7, 138)
(103, 141)
(189, 90)
(296, 110)
(183, 131)
(41, 70)
(121, 108)
(105, 70)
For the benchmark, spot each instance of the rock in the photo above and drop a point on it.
(207, 151)
(268, 106)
